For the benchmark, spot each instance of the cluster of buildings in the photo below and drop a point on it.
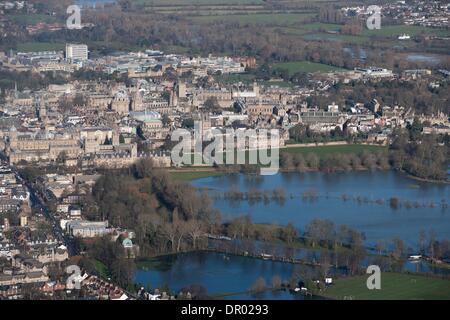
(433, 14)
(109, 124)
(422, 13)
(25, 250)
(64, 62)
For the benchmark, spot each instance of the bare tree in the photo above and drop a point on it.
(195, 230)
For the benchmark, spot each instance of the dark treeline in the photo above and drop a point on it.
(423, 156)
(365, 160)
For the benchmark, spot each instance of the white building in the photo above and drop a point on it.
(87, 229)
(76, 52)
(374, 72)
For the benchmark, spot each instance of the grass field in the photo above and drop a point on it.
(39, 46)
(101, 269)
(394, 286)
(394, 31)
(304, 66)
(25, 19)
(386, 33)
(279, 19)
(197, 2)
(322, 151)
(336, 37)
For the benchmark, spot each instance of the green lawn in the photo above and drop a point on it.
(39, 46)
(101, 269)
(305, 66)
(322, 151)
(394, 286)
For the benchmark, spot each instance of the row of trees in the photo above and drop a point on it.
(334, 162)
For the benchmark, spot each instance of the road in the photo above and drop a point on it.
(38, 204)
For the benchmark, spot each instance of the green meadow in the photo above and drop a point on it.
(394, 286)
(279, 19)
(26, 19)
(40, 46)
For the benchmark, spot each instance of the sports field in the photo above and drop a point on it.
(394, 286)
(304, 66)
(39, 46)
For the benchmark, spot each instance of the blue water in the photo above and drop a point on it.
(377, 221)
(219, 275)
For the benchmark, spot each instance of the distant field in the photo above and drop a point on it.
(280, 19)
(39, 46)
(336, 37)
(26, 19)
(304, 66)
(326, 150)
(197, 2)
(394, 286)
(389, 31)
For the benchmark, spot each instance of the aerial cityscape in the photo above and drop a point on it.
(224, 150)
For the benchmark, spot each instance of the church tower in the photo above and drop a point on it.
(121, 103)
(42, 110)
(137, 103)
(256, 89)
